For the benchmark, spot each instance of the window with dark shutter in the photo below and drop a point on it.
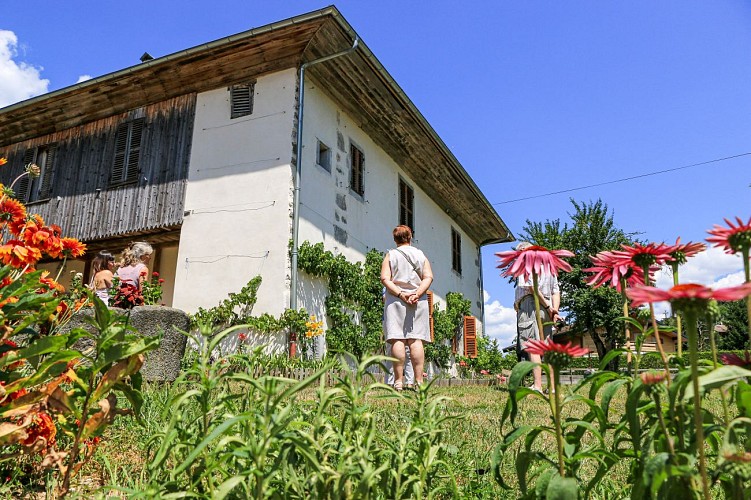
(406, 205)
(470, 336)
(241, 99)
(357, 161)
(456, 251)
(127, 152)
(30, 189)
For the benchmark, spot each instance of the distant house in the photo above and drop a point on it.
(196, 152)
(583, 339)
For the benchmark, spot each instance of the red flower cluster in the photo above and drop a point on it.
(30, 238)
(558, 355)
(688, 292)
(734, 238)
(734, 359)
(43, 427)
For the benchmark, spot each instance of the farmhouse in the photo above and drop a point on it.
(219, 158)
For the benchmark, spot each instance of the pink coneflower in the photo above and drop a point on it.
(734, 359)
(645, 255)
(533, 259)
(610, 269)
(683, 296)
(653, 378)
(484, 372)
(682, 251)
(558, 355)
(733, 238)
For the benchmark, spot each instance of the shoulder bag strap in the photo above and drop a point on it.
(414, 267)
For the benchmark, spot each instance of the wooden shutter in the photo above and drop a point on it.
(121, 144)
(134, 150)
(45, 185)
(470, 336)
(430, 307)
(127, 151)
(356, 170)
(241, 100)
(23, 186)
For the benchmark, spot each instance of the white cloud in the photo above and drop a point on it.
(713, 268)
(500, 321)
(83, 78)
(18, 80)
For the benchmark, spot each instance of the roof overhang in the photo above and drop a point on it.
(358, 82)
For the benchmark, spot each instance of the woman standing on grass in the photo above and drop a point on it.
(406, 274)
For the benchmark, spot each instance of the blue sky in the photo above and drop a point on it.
(532, 96)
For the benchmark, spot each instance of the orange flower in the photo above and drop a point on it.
(41, 426)
(16, 254)
(50, 283)
(12, 211)
(3, 161)
(72, 247)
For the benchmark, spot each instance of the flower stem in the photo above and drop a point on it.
(625, 326)
(556, 403)
(661, 419)
(693, 348)
(678, 329)
(658, 340)
(535, 285)
(713, 344)
(747, 271)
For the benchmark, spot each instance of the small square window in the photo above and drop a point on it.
(323, 156)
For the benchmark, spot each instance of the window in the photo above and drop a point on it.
(29, 188)
(356, 171)
(406, 205)
(323, 156)
(456, 251)
(241, 99)
(127, 152)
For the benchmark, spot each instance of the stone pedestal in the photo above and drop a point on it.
(163, 363)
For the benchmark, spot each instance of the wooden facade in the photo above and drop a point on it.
(85, 200)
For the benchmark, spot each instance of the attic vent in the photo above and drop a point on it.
(241, 99)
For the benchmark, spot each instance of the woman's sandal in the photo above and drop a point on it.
(398, 387)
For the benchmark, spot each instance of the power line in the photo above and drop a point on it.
(623, 179)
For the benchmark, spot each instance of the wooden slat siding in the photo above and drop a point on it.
(470, 336)
(83, 164)
(430, 308)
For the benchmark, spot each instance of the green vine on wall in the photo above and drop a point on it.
(236, 310)
(355, 292)
(353, 306)
(447, 325)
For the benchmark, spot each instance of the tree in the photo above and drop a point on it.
(734, 316)
(594, 311)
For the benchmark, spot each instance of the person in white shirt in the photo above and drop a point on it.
(549, 295)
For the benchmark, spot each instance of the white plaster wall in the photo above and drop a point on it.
(238, 199)
(369, 221)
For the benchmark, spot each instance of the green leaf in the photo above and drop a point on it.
(562, 488)
(717, 378)
(227, 486)
(743, 398)
(609, 357)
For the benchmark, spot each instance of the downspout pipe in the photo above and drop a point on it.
(298, 175)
